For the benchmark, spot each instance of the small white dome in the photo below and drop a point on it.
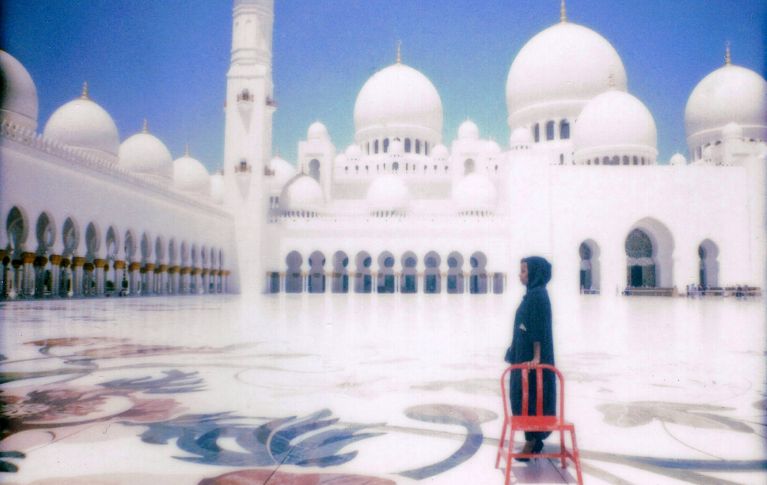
(677, 159)
(353, 151)
(388, 193)
(283, 171)
(85, 125)
(615, 119)
(440, 152)
(340, 159)
(217, 187)
(302, 193)
(468, 131)
(521, 137)
(19, 100)
(729, 94)
(317, 131)
(490, 148)
(190, 175)
(145, 153)
(566, 62)
(398, 97)
(475, 192)
(732, 130)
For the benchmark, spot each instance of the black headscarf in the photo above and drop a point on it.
(538, 272)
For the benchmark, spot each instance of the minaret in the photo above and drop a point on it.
(249, 97)
(249, 109)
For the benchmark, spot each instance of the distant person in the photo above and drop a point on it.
(532, 343)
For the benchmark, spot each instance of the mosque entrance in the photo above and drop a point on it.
(708, 274)
(641, 264)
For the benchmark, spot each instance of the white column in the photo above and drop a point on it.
(77, 276)
(119, 274)
(55, 275)
(100, 276)
(28, 280)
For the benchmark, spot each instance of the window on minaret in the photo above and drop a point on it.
(468, 166)
(564, 129)
(418, 146)
(537, 132)
(395, 166)
(549, 130)
(367, 148)
(386, 145)
(408, 146)
(375, 146)
(426, 148)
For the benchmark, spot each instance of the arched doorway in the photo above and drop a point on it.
(641, 265)
(409, 278)
(468, 166)
(363, 280)
(708, 274)
(314, 169)
(386, 272)
(455, 273)
(45, 231)
(649, 249)
(293, 278)
(111, 284)
(92, 248)
(432, 278)
(316, 283)
(478, 275)
(340, 272)
(589, 267)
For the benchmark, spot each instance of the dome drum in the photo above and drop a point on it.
(617, 155)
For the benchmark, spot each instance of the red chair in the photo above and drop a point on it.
(537, 422)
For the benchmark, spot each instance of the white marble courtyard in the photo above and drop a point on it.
(371, 389)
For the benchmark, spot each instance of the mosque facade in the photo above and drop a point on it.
(401, 210)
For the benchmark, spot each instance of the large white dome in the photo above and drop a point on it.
(85, 125)
(398, 101)
(475, 193)
(729, 94)
(190, 175)
(145, 153)
(302, 193)
(19, 95)
(388, 193)
(565, 63)
(615, 120)
(283, 171)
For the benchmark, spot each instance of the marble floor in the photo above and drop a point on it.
(371, 389)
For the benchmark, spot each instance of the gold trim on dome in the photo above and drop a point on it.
(145, 128)
(84, 94)
(727, 54)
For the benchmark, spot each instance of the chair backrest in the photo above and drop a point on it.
(525, 369)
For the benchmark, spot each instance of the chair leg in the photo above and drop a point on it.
(509, 452)
(562, 449)
(576, 457)
(501, 443)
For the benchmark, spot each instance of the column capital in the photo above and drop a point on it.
(173, 269)
(195, 271)
(149, 267)
(78, 261)
(205, 271)
(65, 262)
(163, 268)
(99, 263)
(56, 259)
(40, 261)
(88, 266)
(134, 266)
(119, 264)
(185, 270)
(28, 258)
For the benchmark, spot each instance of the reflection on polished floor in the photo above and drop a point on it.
(378, 389)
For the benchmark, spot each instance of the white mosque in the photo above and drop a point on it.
(402, 210)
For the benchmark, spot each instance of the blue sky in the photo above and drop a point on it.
(166, 60)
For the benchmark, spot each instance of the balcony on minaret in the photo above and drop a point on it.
(271, 102)
(243, 167)
(245, 102)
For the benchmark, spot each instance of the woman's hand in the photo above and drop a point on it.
(536, 355)
(536, 361)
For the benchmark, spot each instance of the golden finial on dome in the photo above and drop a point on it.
(186, 149)
(562, 12)
(84, 94)
(399, 52)
(727, 54)
(145, 128)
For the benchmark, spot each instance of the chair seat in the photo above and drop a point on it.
(539, 423)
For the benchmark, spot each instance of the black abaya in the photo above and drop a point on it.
(532, 323)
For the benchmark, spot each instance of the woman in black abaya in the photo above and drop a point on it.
(532, 343)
